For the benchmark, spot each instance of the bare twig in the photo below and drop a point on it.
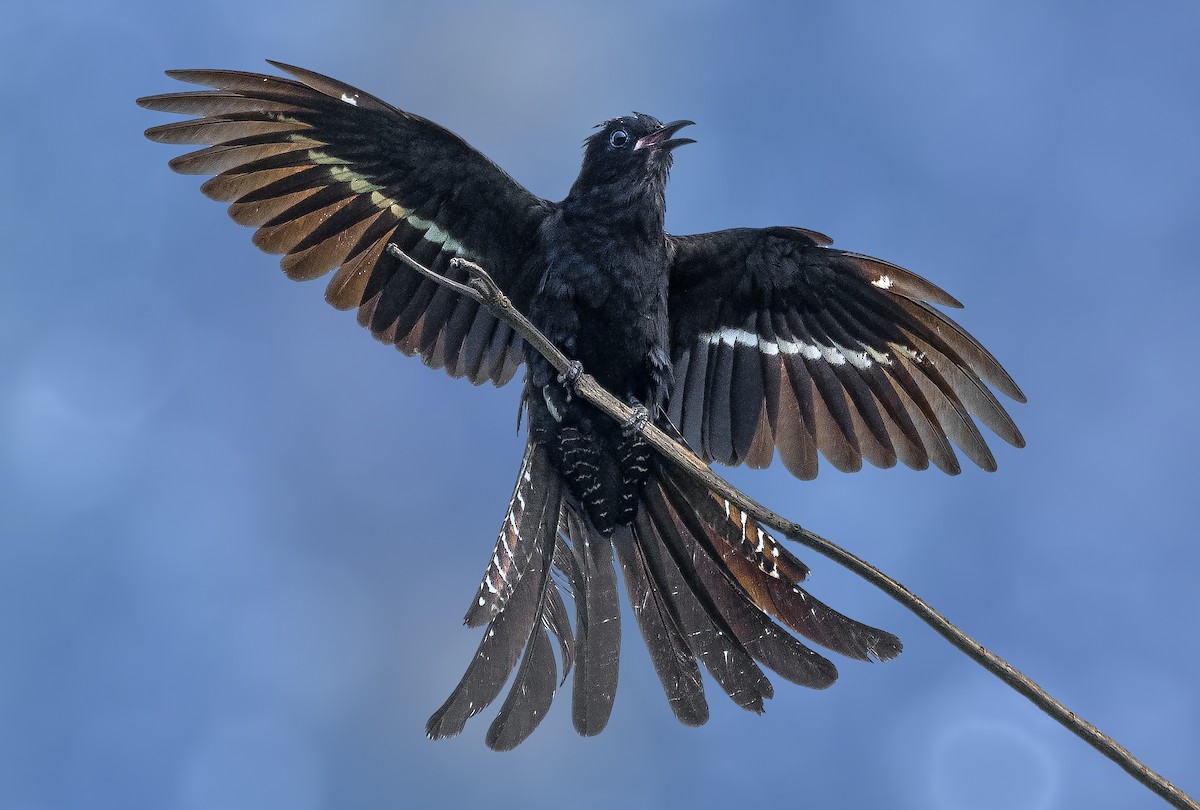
(483, 289)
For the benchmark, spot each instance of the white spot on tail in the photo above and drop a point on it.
(883, 282)
(350, 99)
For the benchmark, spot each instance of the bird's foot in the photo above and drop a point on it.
(572, 374)
(570, 377)
(638, 420)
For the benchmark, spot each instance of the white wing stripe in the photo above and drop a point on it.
(834, 354)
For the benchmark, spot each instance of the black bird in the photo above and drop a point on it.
(741, 342)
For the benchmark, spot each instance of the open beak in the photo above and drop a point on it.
(662, 139)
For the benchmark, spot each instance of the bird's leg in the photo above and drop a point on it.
(638, 420)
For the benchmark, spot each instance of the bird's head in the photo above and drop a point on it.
(634, 150)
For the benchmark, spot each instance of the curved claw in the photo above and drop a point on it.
(638, 420)
(572, 374)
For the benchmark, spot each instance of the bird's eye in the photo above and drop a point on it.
(618, 139)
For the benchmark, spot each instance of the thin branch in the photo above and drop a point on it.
(483, 289)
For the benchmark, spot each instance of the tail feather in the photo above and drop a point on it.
(537, 483)
(768, 574)
(558, 622)
(763, 638)
(706, 630)
(529, 697)
(597, 628)
(516, 631)
(673, 658)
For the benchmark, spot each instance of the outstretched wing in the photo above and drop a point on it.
(330, 175)
(781, 342)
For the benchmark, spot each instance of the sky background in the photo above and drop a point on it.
(237, 535)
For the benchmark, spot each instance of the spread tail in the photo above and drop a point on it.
(708, 585)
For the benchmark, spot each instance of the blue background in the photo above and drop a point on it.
(237, 536)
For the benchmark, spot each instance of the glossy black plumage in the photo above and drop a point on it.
(746, 341)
